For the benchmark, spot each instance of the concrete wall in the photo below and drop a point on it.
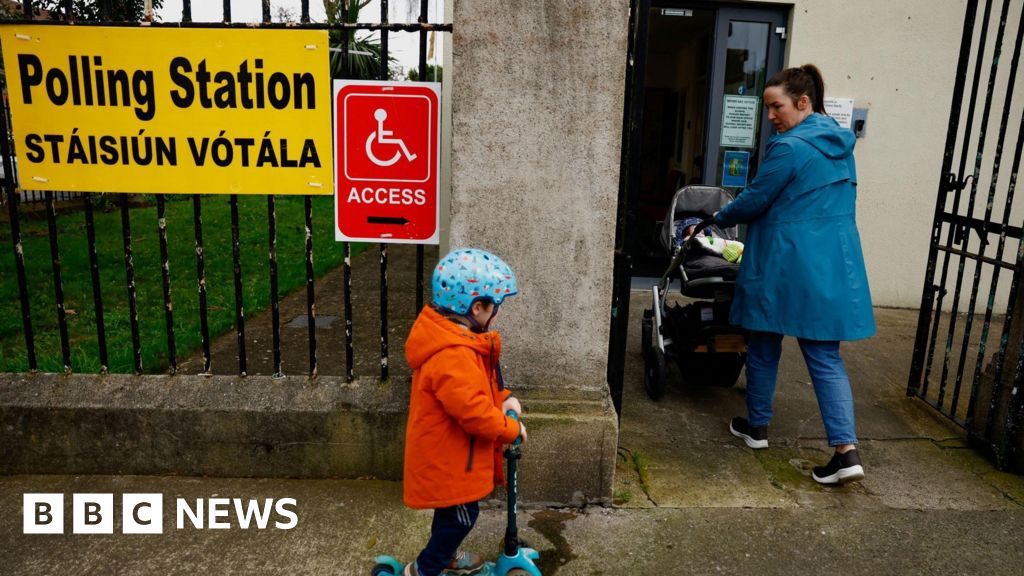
(537, 98)
(264, 427)
(898, 60)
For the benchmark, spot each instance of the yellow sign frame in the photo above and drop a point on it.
(170, 110)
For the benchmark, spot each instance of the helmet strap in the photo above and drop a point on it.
(476, 326)
(494, 312)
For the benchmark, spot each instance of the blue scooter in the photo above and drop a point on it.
(515, 559)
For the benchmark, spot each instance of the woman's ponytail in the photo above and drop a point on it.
(818, 98)
(796, 82)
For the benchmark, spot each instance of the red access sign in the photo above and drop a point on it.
(386, 159)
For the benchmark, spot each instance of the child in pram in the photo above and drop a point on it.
(709, 240)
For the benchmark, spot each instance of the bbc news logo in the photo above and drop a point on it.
(144, 513)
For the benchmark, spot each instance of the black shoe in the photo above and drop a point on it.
(842, 468)
(755, 436)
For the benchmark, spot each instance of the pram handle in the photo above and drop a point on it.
(677, 258)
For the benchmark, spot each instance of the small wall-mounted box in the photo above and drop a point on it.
(859, 122)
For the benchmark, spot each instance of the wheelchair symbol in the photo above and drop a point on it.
(380, 136)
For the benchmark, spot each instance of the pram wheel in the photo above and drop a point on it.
(711, 369)
(654, 375)
(647, 334)
(654, 359)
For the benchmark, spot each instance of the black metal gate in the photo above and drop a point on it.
(969, 348)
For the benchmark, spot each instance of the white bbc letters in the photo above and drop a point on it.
(219, 509)
(92, 514)
(142, 514)
(195, 516)
(281, 510)
(43, 514)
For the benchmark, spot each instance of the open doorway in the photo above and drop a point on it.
(674, 115)
(699, 73)
(693, 115)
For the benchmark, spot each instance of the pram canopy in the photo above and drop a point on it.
(700, 202)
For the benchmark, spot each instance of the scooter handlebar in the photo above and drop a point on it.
(512, 414)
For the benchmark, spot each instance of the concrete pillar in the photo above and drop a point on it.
(537, 107)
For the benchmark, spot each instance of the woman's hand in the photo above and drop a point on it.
(511, 403)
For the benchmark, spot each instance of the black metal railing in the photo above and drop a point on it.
(14, 198)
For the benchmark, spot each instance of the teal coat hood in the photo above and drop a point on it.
(820, 132)
(803, 270)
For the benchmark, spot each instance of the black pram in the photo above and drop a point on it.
(697, 335)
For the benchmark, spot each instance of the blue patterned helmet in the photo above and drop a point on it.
(470, 274)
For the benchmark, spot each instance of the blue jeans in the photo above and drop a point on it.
(449, 528)
(831, 385)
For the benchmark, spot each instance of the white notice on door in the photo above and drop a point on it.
(841, 109)
(739, 121)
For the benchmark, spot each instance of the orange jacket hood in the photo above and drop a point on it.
(432, 333)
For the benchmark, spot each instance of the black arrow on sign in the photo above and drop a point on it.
(401, 221)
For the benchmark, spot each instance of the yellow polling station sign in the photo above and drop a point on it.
(170, 110)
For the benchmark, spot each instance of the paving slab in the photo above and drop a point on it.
(921, 475)
(708, 475)
(782, 542)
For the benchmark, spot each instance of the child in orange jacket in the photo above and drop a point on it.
(457, 422)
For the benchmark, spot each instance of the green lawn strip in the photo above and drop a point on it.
(77, 282)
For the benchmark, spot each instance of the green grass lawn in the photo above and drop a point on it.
(78, 296)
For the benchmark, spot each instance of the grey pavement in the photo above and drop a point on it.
(690, 499)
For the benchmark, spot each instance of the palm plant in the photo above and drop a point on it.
(364, 53)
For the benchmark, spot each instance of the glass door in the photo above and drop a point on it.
(748, 50)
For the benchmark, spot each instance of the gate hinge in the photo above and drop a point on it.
(781, 31)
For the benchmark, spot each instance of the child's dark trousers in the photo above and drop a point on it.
(449, 529)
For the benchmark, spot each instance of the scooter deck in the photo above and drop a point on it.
(521, 564)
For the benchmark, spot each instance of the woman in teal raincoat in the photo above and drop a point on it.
(803, 271)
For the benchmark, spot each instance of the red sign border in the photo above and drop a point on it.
(339, 236)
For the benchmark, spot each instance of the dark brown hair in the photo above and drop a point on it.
(796, 82)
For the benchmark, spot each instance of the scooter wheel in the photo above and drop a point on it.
(382, 570)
